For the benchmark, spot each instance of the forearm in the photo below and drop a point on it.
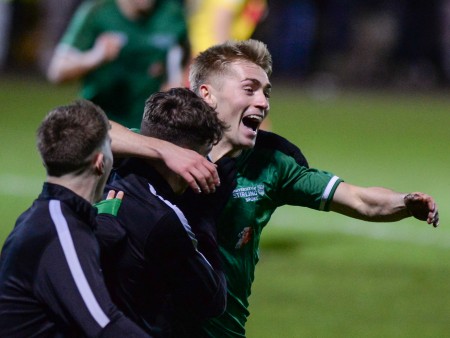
(70, 64)
(383, 205)
(373, 204)
(196, 170)
(126, 143)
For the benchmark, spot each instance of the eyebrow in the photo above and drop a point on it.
(257, 82)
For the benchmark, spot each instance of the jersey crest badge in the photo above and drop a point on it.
(244, 237)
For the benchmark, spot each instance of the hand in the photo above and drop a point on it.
(111, 204)
(196, 170)
(112, 194)
(108, 45)
(422, 207)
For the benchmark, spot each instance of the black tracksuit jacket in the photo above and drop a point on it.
(157, 275)
(51, 283)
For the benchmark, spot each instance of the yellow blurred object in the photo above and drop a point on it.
(214, 21)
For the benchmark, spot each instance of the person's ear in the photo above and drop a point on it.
(207, 95)
(99, 164)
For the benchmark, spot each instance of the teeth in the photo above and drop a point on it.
(252, 121)
(255, 117)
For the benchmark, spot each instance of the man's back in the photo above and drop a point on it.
(37, 273)
(158, 264)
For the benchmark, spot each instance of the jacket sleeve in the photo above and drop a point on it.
(110, 233)
(70, 284)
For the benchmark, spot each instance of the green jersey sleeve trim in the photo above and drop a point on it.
(328, 193)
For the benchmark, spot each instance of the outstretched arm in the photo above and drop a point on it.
(197, 171)
(383, 205)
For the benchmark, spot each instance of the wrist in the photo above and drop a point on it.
(406, 198)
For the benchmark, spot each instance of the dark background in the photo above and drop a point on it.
(370, 43)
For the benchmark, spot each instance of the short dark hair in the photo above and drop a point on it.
(69, 134)
(215, 60)
(181, 117)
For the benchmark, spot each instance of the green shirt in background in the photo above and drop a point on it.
(121, 87)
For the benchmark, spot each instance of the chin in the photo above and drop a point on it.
(248, 145)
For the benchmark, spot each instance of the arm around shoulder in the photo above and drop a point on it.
(196, 170)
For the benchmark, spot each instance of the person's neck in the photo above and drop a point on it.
(127, 10)
(173, 179)
(83, 185)
(223, 149)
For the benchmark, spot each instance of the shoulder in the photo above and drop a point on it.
(82, 28)
(72, 224)
(169, 17)
(171, 5)
(272, 141)
(32, 233)
(91, 11)
(92, 7)
(128, 177)
(86, 9)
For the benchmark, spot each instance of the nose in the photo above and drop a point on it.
(261, 100)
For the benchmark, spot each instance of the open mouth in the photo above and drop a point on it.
(252, 121)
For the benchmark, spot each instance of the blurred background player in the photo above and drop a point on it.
(122, 50)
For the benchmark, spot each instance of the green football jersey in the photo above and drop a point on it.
(122, 86)
(267, 179)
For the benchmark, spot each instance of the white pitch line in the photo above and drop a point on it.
(20, 186)
(403, 231)
(424, 234)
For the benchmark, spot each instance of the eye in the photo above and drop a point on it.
(249, 90)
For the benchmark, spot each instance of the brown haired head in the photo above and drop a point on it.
(181, 117)
(69, 135)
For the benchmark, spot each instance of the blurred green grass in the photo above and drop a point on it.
(320, 274)
(23, 104)
(323, 275)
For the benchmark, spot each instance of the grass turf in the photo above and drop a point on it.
(320, 274)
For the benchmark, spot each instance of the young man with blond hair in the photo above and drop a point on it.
(233, 77)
